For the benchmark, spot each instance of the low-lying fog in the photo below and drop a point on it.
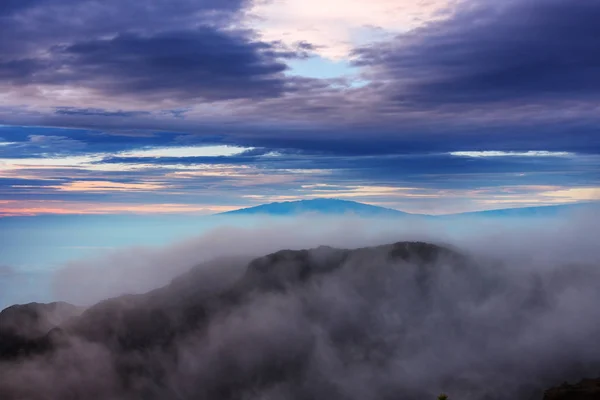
(526, 317)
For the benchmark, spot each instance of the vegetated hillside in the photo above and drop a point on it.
(408, 320)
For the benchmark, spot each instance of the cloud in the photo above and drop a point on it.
(518, 319)
(519, 51)
(105, 186)
(184, 152)
(205, 174)
(152, 50)
(166, 75)
(47, 145)
(491, 153)
(36, 26)
(575, 194)
(195, 64)
(11, 6)
(103, 60)
(252, 237)
(18, 70)
(55, 143)
(203, 63)
(336, 27)
(82, 206)
(98, 112)
(153, 7)
(257, 236)
(6, 270)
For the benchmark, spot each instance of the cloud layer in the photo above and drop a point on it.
(523, 51)
(517, 321)
(83, 79)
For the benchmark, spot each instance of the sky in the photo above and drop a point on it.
(200, 106)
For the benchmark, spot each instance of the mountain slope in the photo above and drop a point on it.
(344, 207)
(402, 321)
(318, 206)
(526, 212)
(156, 345)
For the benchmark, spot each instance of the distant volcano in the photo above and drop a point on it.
(319, 206)
(336, 207)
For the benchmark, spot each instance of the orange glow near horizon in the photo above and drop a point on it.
(13, 208)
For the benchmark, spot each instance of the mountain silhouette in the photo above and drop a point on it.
(144, 334)
(319, 206)
(295, 325)
(336, 207)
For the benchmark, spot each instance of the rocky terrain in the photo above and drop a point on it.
(303, 324)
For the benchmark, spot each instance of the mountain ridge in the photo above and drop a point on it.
(320, 206)
(264, 329)
(333, 206)
(142, 334)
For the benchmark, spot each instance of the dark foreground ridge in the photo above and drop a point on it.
(280, 331)
(23, 328)
(587, 389)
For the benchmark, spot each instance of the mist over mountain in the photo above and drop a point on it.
(408, 320)
(139, 140)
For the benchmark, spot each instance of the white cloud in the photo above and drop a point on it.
(531, 153)
(574, 194)
(69, 161)
(186, 151)
(340, 25)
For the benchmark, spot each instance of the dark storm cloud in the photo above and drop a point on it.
(494, 76)
(204, 63)
(169, 50)
(432, 137)
(32, 27)
(19, 70)
(12, 6)
(201, 63)
(8, 7)
(90, 10)
(98, 112)
(520, 51)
